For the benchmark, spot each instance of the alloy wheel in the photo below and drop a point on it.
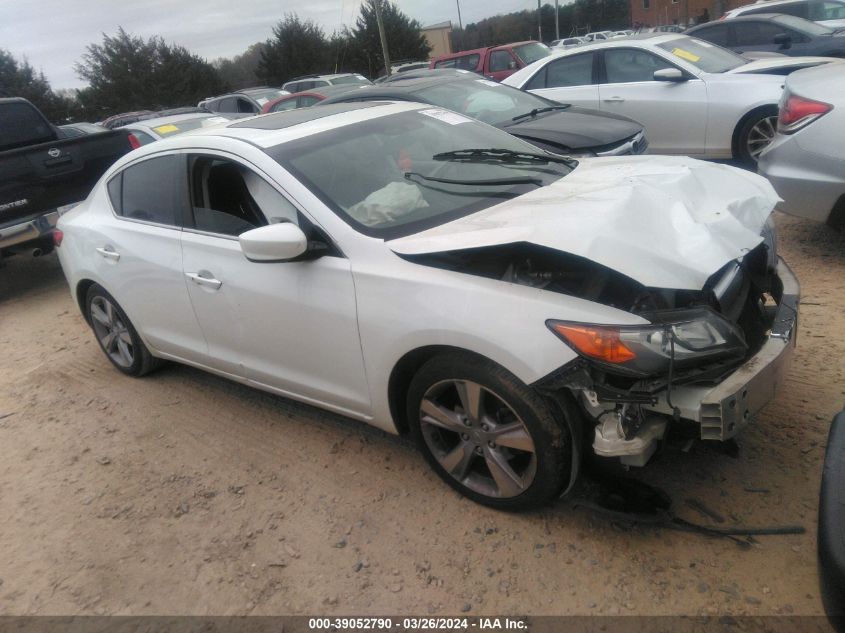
(478, 438)
(112, 332)
(761, 135)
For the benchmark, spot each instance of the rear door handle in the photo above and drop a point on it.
(109, 253)
(613, 100)
(208, 282)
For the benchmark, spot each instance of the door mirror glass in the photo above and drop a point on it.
(783, 40)
(274, 243)
(669, 74)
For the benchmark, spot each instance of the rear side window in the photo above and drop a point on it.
(304, 102)
(716, 34)
(147, 191)
(287, 104)
(20, 125)
(576, 70)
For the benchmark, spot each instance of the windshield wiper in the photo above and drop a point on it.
(495, 182)
(494, 155)
(537, 111)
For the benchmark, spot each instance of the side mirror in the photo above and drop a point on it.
(783, 40)
(669, 74)
(273, 243)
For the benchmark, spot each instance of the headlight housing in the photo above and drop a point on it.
(696, 335)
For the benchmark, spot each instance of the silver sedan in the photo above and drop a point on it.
(806, 161)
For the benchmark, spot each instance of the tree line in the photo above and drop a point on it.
(126, 72)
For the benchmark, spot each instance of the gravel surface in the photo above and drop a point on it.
(183, 493)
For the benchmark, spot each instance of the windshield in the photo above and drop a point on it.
(483, 99)
(704, 55)
(395, 175)
(802, 26)
(530, 53)
(351, 79)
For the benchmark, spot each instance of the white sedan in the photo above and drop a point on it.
(692, 97)
(427, 273)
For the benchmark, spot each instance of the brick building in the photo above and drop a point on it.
(686, 12)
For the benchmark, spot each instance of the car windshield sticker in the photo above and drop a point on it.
(680, 52)
(166, 129)
(262, 100)
(216, 119)
(451, 118)
(487, 82)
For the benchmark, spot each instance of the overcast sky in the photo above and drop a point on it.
(53, 34)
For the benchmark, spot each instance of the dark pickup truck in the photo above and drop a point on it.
(42, 172)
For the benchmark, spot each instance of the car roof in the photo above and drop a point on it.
(273, 129)
(643, 39)
(404, 89)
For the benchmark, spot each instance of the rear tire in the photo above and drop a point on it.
(487, 434)
(116, 335)
(755, 134)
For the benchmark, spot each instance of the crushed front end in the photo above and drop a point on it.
(712, 358)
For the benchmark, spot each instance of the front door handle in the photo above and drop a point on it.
(109, 253)
(201, 280)
(613, 100)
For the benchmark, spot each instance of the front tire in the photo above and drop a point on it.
(487, 434)
(756, 134)
(116, 335)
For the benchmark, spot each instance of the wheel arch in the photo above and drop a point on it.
(82, 287)
(743, 120)
(403, 373)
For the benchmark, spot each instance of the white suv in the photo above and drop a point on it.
(828, 12)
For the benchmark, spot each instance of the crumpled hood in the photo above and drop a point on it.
(666, 222)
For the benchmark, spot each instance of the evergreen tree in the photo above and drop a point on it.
(297, 48)
(126, 73)
(405, 41)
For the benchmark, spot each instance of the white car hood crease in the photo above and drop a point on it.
(666, 222)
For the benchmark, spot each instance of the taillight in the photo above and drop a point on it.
(58, 236)
(797, 112)
(134, 142)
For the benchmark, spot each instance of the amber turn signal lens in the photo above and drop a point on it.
(595, 342)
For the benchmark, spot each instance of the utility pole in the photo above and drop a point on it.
(557, 22)
(460, 26)
(377, 5)
(539, 23)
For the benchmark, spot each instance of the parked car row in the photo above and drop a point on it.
(691, 97)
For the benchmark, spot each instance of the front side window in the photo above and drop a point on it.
(229, 104)
(246, 107)
(148, 191)
(501, 60)
(756, 33)
(398, 174)
(229, 199)
(629, 65)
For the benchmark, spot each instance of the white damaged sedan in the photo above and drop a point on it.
(429, 274)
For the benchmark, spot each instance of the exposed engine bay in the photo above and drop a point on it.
(625, 407)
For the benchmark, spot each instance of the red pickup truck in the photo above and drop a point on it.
(494, 62)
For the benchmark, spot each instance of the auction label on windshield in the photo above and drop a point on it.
(452, 118)
(680, 52)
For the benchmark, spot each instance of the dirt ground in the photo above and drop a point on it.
(182, 493)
